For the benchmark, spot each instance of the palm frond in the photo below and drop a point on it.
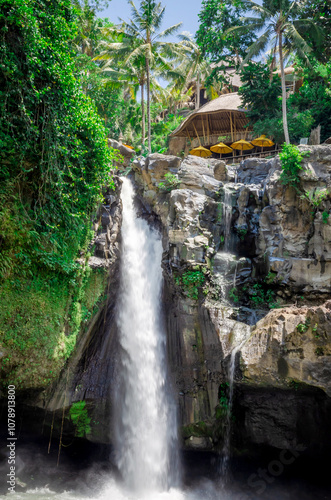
(299, 44)
(257, 47)
(169, 31)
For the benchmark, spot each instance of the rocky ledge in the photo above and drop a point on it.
(247, 265)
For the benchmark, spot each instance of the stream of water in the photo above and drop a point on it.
(146, 417)
(227, 217)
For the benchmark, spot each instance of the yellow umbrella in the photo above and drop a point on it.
(200, 151)
(242, 145)
(263, 141)
(221, 148)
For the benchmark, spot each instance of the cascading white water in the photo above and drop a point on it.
(227, 204)
(146, 418)
(225, 472)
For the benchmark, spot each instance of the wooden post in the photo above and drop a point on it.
(203, 128)
(189, 138)
(196, 133)
(231, 126)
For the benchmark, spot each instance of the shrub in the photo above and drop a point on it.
(291, 159)
(325, 217)
(171, 182)
(79, 417)
(316, 197)
(191, 281)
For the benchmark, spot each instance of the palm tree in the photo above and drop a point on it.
(194, 66)
(282, 26)
(144, 27)
(123, 64)
(140, 45)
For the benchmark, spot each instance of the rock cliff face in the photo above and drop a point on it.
(246, 266)
(246, 263)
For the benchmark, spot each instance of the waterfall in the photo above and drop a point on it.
(225, 472)
(146, 417)
(228, 217)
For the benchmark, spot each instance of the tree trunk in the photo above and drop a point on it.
(148, 107)
(142, 114)
(197, 97)
(287, 137)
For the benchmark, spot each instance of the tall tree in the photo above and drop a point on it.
(282, 23)
(194, 65)
(217, 44)
(144, 26)
(320, 12)
(140, 44)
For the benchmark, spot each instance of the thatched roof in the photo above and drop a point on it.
(216, 117)
(287, 71)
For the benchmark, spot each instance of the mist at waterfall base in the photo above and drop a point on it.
(146, 447)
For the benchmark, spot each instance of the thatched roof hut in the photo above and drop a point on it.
(223, 117)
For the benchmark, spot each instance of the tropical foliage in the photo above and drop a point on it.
(217, 43)
(283, 27)
(54, 161)
(141, 47)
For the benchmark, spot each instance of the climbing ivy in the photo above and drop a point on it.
(54, 156)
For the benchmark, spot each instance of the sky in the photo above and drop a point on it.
(175, 12)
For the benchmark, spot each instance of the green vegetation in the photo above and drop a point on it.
(291, 160)
(223, 402)
(216, 44)
(191, 282)
(171, 182)
(54, 154)
(303, 327)
(256, 295)
(325, 217)
(316, 197)
(40, 318)
(260, 297)
(241, 231)
(259, 92)
(233, 295)
(54, 162)
(282, 22)
(140, 46)
(79, 417)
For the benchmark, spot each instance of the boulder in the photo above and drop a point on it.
(292, 344)
(127, 153)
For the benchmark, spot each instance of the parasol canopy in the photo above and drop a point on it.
(263, 142)
(242, 145)
(200, 151)
(221, 148)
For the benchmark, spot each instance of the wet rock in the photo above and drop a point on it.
(292, 344)
(221, 171)
(254, 170)
(107, 227)
(127, 153)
